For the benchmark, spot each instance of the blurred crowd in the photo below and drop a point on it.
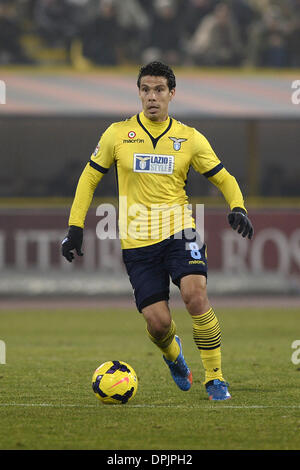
(258, 33)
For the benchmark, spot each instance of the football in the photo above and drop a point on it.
(115, 382)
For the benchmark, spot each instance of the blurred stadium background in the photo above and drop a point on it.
(69, 69)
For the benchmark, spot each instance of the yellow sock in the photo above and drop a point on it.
(211, 360)
(168, 345)
(207, 336)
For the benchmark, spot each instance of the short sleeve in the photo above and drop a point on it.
(204, 159)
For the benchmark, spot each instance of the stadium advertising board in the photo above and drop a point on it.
(30, 239)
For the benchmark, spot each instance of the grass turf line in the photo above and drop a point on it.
(47, 402)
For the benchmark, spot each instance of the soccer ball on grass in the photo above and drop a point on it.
(115, 382)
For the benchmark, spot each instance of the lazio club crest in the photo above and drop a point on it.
(177, 143)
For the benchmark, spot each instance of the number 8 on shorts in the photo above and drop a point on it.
(195, 250)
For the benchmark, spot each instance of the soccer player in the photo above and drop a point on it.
(152, 153)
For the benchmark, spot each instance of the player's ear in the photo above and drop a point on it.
(172, 93)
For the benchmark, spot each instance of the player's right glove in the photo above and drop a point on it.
(238, 220)
(73, 241)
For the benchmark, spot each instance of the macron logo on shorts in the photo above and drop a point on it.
(151, 163)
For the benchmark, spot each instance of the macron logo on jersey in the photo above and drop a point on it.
(149, 163)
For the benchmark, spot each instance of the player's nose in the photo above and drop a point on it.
(152, 96)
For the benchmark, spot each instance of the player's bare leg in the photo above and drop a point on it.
(206, 333)
(161, 330)
(194, 294)
(158, 319)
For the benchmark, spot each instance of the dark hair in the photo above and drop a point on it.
(157, 69)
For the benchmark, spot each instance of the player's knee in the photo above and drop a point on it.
(158, 327)
(195, 299)
(158, 321)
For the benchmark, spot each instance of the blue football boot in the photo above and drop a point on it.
(179, 370)
(217, 390)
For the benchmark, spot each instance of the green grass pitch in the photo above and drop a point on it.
(47, 402)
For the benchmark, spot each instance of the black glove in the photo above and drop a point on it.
(73, 241)
(238, 219)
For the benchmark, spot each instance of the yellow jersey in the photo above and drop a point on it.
(152, 160)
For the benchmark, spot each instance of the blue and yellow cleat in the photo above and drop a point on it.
(179, 370)
(217, 390)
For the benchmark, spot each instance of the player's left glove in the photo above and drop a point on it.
(238, 220)
(73, 241)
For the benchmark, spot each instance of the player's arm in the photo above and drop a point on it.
(207, 163)
(92, 174)
(237, 218)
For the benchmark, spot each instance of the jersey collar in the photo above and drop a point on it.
(143, 122)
